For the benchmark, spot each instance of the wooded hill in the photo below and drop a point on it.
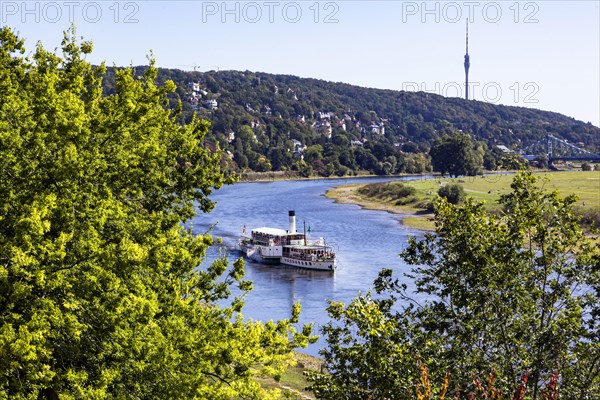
(282, 122)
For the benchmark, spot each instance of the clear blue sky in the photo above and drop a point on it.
(539, 54)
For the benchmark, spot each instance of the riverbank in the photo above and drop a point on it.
(294, 176)
(586, 185)
(413, 217)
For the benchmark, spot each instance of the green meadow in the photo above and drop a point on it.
(394, 197)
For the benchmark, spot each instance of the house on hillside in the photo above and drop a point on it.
(211, 104)
(298, 148)
(377, 128)
(503, 149)
(323, 127)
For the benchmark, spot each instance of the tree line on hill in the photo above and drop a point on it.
(267, 122)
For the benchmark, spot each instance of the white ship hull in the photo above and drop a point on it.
(317, 265)
(272, 255)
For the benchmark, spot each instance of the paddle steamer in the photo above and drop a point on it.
(288, 247)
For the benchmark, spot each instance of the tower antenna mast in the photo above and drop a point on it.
(467, 65)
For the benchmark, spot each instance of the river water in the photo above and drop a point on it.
(365, 240)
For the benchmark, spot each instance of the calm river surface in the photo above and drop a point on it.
(365, 242)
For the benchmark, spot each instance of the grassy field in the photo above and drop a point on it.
(586, 185)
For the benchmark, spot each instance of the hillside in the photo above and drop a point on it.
(281, 122)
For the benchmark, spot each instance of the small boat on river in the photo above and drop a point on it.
(288, 247)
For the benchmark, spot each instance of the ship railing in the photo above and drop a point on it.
(328, 256)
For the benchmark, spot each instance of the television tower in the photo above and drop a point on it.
(467, 65)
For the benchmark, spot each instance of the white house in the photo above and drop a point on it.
(211, 104)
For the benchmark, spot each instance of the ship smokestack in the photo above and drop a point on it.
(292, 215)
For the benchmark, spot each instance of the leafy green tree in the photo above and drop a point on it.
(410, 147)
(280, 158)
(453, 193)
(365, 159)
(490, 162)
(347, 159)
(263, 165)
(456, 154)
(314, 152)
(509, 286)
(245, 136)
(303, 168)
(367, 356)
(515, 293)
(241, 160)
(340, 139)
(542, 161)
(415, 163)
(100, 295)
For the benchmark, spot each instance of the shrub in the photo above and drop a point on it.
(402, 201)
(387, 190)
(590, 216)
(453, 192)
(425, 204)
(405, 191)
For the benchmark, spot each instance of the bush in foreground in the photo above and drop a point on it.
(513, 293)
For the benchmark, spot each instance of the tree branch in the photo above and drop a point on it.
(216, 376)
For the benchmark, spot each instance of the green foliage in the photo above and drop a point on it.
(589, 214)
(509, 287)
(541, 161)
(514, 293)
(387, 190)
(301, 109)
(395, 193)
(457, 154)
(99, 292)
(454, 193)
(366, 355)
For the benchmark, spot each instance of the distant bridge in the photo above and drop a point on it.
(557, 149)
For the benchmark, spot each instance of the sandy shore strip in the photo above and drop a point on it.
(348, 194)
